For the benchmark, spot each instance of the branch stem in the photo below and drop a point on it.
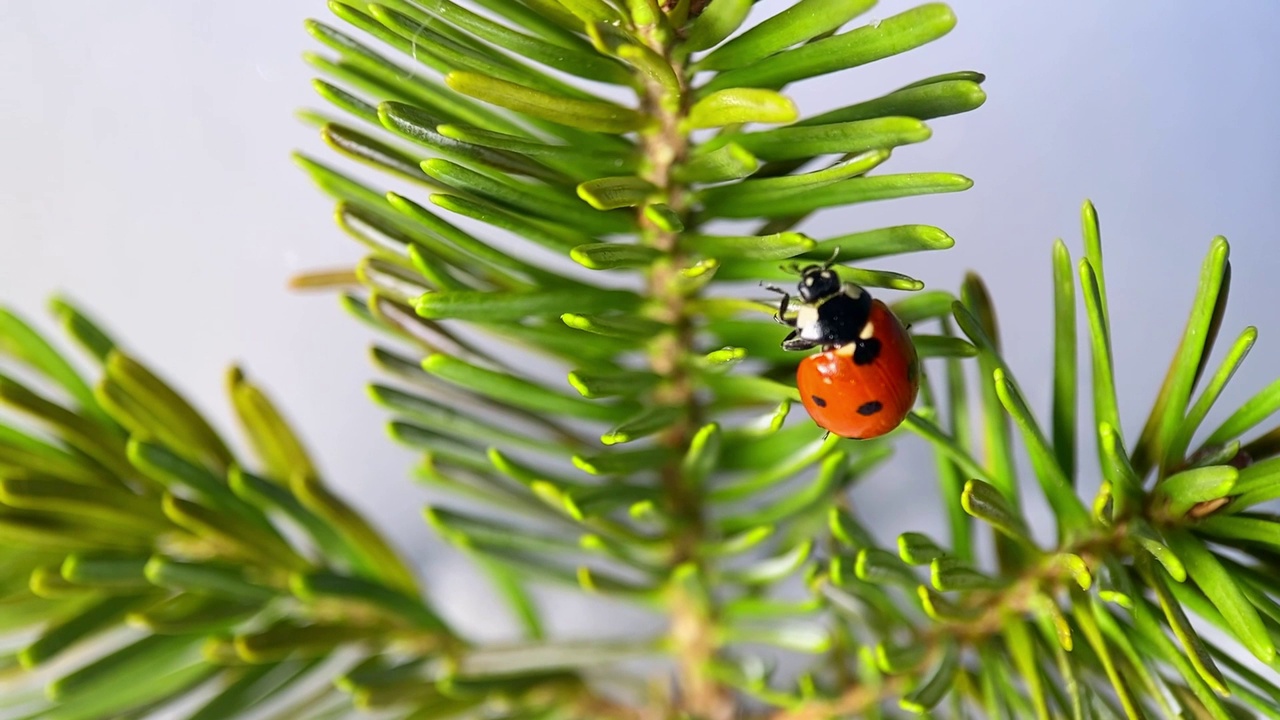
(692, 628)
(994, 612)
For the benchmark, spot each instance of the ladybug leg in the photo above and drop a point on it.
(780, 317)
(794, 342)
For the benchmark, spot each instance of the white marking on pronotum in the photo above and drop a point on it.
(867, 331)
(807, 321)
(853, 291)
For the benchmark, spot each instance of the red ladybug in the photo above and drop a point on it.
(865, 380)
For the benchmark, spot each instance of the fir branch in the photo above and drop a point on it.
(661, 468)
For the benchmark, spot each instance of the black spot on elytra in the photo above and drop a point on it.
(866, 351)
(870, 408)
(818, 401)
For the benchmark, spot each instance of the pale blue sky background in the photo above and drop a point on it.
(144, 168)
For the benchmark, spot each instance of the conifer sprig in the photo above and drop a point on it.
(143, 558)
(556, 254)
(658, 498)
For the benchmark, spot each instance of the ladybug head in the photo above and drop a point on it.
(818, 282)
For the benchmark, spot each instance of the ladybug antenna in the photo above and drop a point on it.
(834, 254)
(795, 269)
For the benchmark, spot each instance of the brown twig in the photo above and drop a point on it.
(993, 612)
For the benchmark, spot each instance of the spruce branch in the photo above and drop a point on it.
(121, 505)
(666, 185)
(578, 347)
(1122, 577)
(677, 187)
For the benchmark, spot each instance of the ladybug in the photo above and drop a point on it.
(865, 380)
